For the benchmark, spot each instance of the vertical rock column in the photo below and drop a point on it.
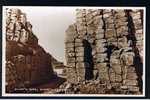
(129, 75)
(134, 77)
(110, 32)
(121, 28)
(100, 47)
(110, 42)
(79, 45)
(30, 62)
(93, 21)
(122, 71)
(18, 28)
(137, 16)
(115, 70)
(70, 53)
(120, 42)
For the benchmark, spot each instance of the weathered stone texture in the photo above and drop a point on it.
(107, 46)
(27, 63)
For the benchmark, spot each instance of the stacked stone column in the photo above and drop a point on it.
(109, 34)
(120, 41)
(70, 53)
(18, 29)
(99, 50)
(27, 63)
(129, 75)
(79, 44)
(137, 17)
(121, 28)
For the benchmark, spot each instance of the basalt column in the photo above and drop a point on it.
(71, 34)
(27, 63)
(108, 46)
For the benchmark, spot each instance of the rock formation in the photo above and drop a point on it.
(106, 45)
(27, 63)
(104, 53)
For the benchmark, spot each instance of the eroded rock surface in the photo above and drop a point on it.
(106, 45)
(27, 63)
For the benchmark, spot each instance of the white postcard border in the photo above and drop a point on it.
(4, 94)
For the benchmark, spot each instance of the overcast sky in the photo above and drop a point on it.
(49, 25)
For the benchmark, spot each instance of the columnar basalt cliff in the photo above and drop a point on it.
(106, 45)
(27, 63)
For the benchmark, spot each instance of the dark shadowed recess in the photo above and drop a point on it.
(137, 59)
(88, 58)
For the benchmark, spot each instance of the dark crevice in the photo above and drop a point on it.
(139, 69)
(141, 15)
(108, 54)
(131, 29)
(104, 24)
(88, 59)
(110, 49)
(75, 53)
(137, 60)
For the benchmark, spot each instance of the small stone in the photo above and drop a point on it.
(130, 82)
(80, 59)
(102, 69)
(109, 26)
(70, 54)
(128, 58)
(139, 37)
(90, 29)
(122, 31)
(80, 54)
(79, 49)
(99, 65)
(120, 23)
(117, 69)
(100, 49)
(78, 44)
(103, 76)
(110, 33)
(100, 41)
(78, 40)
(71, 65)
(81, 27)
(133, 88)
(71, 60)
(106, 15)
(131, 69)
(132, 76)
(69, 45)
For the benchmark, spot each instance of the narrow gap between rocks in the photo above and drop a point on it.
(137, 60)
(88, 58)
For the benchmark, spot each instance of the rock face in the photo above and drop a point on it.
(27, 63)
(106, 45)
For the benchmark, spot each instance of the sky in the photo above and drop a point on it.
(49, 25)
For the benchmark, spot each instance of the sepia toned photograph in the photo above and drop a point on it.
(73, 51)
